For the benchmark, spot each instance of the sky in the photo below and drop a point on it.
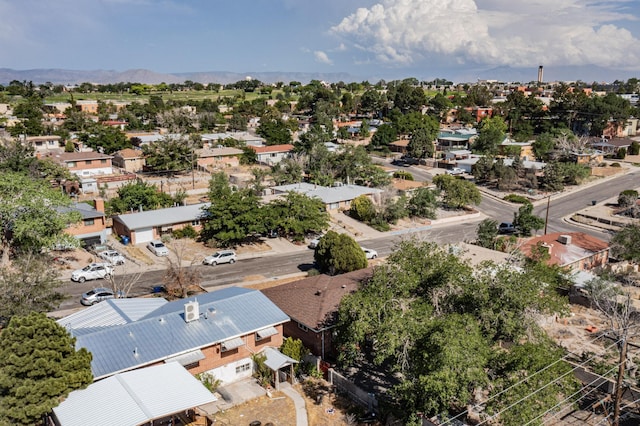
(383, 38)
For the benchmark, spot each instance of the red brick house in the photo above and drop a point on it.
(571, 250)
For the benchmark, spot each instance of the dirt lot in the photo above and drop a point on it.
(279, 409)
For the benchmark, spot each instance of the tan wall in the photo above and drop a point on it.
(90, 164)
(215, 161)
(605, 171)
(81, 228)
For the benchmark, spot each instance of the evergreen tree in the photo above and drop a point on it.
(39, 366)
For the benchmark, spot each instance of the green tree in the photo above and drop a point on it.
(30, 113)
(24, 202)
(106, 139)
(491, 133)
(553, 179)
(232, 219)
(169, 155)
(297, 215)
(422, 203)
(381, 139)
(275, 131)
(634, 149)
(293, 348)
(458, 193)
(625, 244)
(362, 209)
(28, 285)
(39, 366)
(487, 233)
(421, 142)
(525, 221)
(627, 198)
(338, 254)
(16, 156)
(139, 195)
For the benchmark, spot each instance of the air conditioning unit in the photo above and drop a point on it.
(191, 311)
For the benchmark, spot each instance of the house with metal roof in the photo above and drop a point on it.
(271, 154)
(334, 197)
(140, 397)
(144, 226)
(213, 332)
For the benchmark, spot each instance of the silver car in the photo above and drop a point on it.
(224, 256)
(93, 271)
(97, 295)
(158, 248)
(112, 256)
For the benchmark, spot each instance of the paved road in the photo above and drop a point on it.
(272, 265)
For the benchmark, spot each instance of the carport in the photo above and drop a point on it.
(134, 398)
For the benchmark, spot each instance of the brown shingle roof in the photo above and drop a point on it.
(129, 153)
(314, 301)
(79, 156)
(271, 148)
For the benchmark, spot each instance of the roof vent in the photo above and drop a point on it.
(564, 239)
(135, 351)
(191, 311)
(318, 292)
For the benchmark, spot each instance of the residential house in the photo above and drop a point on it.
(144, 226)
(92, 228)
(85, 164)
(573, 250)
(45, 144)
(610, 146)
(215, 333)
(212, 140)
(87, 106)
(480, 113)
(450, 139)
(272, 154)
(334, 197)
(312, 304)
(115, 123)
(399, 146)
(130, 160)
(524, 150)
(161, 393)
(219, 156)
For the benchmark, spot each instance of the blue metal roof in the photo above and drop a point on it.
(163, 333)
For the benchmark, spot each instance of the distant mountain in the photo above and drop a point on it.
(62, 76)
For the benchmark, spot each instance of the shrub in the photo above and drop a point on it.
(209, 381)
(627, 198)
(515, 198)
(186, 232)
(621, 153)
(401, 174)
(615, 165)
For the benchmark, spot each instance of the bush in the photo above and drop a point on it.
(186, 232)
(401, 174)
(615, 165)
(627, 198)
(621, 153)
(209, 381)
(515, 198)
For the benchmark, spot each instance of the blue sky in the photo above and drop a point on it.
(385, 38)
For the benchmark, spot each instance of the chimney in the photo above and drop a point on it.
(99, 204)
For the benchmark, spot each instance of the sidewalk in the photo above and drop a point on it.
(298, 402)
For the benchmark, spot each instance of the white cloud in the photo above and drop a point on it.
(322, 57)
(496, 32)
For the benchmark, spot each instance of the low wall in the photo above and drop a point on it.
(606, 171)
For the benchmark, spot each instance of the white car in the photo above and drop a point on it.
(112, 256)
(158, 248)
(223, 256)
(93, 271)
(455, 171)
(370, 253)
(314, 243)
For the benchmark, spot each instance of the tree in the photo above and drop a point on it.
(178, 278)
(232, 219)
(275, 131)
(457, 192)
(28, 285)
(362, 209)
(421, 142)
(553, 179)
(39, 366)
(491, 132)
(139, 195)
(487, 233)
(169, 155)
(525, 221)
(16, 155)
(625, 244)
(338, 254)
(106, 139)
(422, 203)
(381, 139)
(627, 198)
(293, 348)
(297, 215)
(24, 202)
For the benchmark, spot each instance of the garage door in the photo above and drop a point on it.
(144, 235)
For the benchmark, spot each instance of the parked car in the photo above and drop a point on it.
(455, 171)
(224, 256)
(93, 271)
(506, 228)
(158, 248)
(400, 162)
(314, 243)
(112, 256)
(370, 253)
(97, 295)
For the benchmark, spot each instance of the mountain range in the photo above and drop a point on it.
(587, 74)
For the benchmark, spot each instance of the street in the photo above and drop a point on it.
(272, 265)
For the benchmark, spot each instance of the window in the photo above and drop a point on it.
(103, 161)
(71, 164)
(242, 368)
(195, 222)
(273, 154)
(303, 327)
(89, 222)
(87, 162)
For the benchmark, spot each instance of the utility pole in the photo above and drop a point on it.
(546, 218)
(619, 388)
